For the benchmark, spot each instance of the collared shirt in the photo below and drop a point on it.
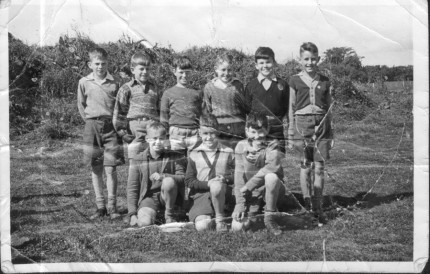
(197, 175)
(97, 98)
(136, 100)
(266, 82)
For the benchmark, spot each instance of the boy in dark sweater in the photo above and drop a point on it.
(258, 175)
(181, 108)
(156, 180)
(268, 94)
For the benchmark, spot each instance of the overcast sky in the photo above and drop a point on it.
(379, 30)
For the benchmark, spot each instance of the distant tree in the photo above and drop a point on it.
(343, 62)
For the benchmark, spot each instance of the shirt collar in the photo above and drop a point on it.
(261, 78)
(307, 77)
(108, 77)
(228, 84)
(135, 82)
(202, 147)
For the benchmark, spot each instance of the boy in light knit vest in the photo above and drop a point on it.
(102, 145)
(224, 98)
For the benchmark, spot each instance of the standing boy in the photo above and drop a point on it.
(258, 175)
(155, 180)
(102, 145)
(310, 125)
(209, 177)
(268, 94)
(137, 104)
(181, 107)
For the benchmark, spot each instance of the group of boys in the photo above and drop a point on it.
(174, 147)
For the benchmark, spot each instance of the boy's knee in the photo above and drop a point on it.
(217, 188)
(145, 216)
(168, 184)
(110, 170)
(271, 181)
(204, 222)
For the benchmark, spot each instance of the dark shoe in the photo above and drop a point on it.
(126, 219)
(271, 225)
(308, 204)
(322, 217)
(221, 226)
(113, 213)
(100, 213)
(170, 219)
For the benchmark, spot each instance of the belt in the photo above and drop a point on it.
(140, 119)
(101, 119)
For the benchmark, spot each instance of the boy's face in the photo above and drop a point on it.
(182, 75)
(156, 139)
(265, 67)
(256, 134)
(209, 136)
(141, 72)
(223, 72)
(309, 61)
(99, 66)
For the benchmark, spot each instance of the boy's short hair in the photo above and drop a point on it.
(209, 120)
(182, 62)
(264, 53)
(257, 120)
(308, 46)
(224, 57)
(97, 53)
(140, 58)
(156, 126)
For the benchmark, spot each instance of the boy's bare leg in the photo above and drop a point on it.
(97, 179)
(169, 192)
(112, 184)
(272, 184)
(305, 182)
(318, 191)
(218, 190)
(146, 216)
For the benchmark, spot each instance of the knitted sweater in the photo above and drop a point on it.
(225, 104)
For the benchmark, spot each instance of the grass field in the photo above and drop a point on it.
(369, 193)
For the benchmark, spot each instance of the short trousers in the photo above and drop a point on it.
(231, 134)
(156, 202)
(256, 204)
(138, 129)
(201, 203)
(101, 143)
(276, 131)
(304, 129)
(183, 138)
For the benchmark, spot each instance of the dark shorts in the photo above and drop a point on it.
(231, 134)
(201, 203)
(101, 144)
(256, 204)
(276, 131)
(313, 149)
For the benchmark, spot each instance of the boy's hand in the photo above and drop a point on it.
(128, 138)
(156, 177)
(218, 178)
(244, 190)
(238, 215)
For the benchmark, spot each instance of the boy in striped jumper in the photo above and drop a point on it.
(310, 125)
(224, 98)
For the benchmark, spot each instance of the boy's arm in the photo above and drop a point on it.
(82, 99)
(272, 164)
(165, 110)
(229, 176)
(239, 181)
(248, 99)
(191, 180)
(133, 188)
(122, 105)
(159, 96)
(240, 98)
(207, 100)
(286, 104)
(291, 104)
(180, 165)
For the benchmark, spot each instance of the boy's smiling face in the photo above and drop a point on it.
(223, 72)
(99, 66)
(141, 73)
(309, 61)
(156, 139)
(182, 76)
(265, 67)
(209, 136)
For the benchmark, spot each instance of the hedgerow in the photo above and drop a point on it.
(44, 79)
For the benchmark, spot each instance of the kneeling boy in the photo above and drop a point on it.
(209, 177)
(258, 175)
(156, 177)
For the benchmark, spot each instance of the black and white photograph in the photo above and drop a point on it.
(214, 135)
